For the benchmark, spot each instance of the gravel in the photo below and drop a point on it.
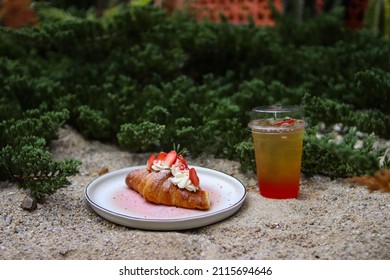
(331, 219)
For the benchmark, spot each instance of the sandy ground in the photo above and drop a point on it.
(329, 219)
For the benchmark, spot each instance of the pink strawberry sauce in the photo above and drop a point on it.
(133, 204)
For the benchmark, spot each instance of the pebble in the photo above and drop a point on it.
(8, 219)
(29, 203)
(63, 251)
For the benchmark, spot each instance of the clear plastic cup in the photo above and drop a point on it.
(277, 133)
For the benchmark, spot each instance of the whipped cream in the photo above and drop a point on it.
(158, 165)
(181, 177)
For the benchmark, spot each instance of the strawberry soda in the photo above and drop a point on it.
(277, 134)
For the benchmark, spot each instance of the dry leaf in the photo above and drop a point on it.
(380, 180)
(103, 171)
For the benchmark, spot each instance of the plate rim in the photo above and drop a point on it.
(232, 207)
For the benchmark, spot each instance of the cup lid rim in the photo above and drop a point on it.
(277, 109)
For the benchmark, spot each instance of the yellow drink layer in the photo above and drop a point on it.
(278, 151)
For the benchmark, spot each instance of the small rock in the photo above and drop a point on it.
(63, 251)
(29, 203)
(8, 219)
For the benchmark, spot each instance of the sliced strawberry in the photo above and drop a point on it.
(183, 164)
(288, 121)
(150, 162)
(194, 177)
(170, 158)
(161, 155)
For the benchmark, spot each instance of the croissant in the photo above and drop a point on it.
(156, 187)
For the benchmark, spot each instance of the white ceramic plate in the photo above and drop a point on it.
(109, 197)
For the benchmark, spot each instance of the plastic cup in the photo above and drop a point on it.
(277, 133)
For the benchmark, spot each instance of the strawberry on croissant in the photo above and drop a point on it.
(167, 180)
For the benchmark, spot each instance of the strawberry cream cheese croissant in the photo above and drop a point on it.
(168, 180)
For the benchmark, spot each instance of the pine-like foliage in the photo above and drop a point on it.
(325, 155)
(24, 157)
